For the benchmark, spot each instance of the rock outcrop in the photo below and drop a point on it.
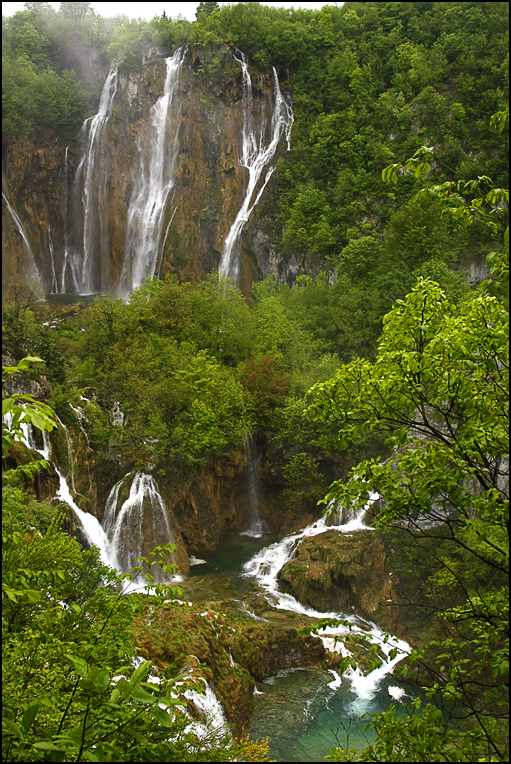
(365, 572)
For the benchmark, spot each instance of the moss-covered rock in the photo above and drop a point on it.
(228, 650)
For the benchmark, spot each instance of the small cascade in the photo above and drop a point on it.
(54, 284)
(210, 708)
(256, 525)
(90, 525)
(90, 195)
(140, 523)
(153, 183)
(33, 269)
(69, 447)
(256, 155)
(265, 566)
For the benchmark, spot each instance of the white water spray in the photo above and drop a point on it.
(141, 522)
(91, 182)
(153, 183)
(256, 155)
(33, 269)
(71, 264)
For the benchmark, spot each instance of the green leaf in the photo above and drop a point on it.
(161, 716)
(140, 673)
(137, 693)
(44, 746)
(136, 735)
(12, 726)
(29, 716)
(80, 665)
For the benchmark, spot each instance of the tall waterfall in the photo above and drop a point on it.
(256, 525)
(71, 262)
(256, 155)
(90, 195)
(153, 183)
(140, 523)
(34, 271)
(54, 282)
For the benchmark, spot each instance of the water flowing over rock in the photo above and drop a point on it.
(32, 271)
(90, 194)
(256, 524)
(257, 152)
(268, 565)
(163, 179)
(138, 524)
(153, 183)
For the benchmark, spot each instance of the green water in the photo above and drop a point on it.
(220, 576)
(233, 551)
(303, 718)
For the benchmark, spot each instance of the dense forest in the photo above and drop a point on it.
(385, 363)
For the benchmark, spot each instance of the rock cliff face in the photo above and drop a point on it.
(76, 202)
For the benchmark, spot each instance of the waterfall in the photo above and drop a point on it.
(71, 265)
(256, 525)
(54, 283)
(33, 269)
(256, 155)
(80, 417)
(141, 522)
(90, 525)
(215, 723)
(69, 448)
(153, 183)
(91, 194)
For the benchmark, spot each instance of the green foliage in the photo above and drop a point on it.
(70, 691)
(23, 410)
(303, 483)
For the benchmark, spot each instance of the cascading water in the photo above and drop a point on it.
(141, 522)
(310, 729)
(90, 195)
(80, 415)
(71, 265)
(256, 155)
(265, 566)
(91, 527)
(256, 525)
(153, 183)
(33, 269)
(54, 283)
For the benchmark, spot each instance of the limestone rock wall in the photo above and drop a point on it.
(209, 181)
